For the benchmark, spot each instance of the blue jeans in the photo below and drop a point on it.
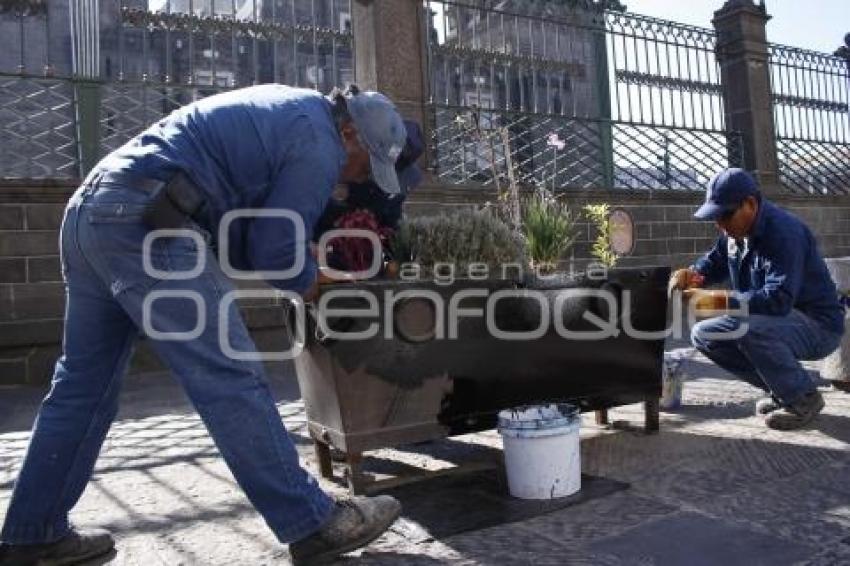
(106, 285)
(768, 355)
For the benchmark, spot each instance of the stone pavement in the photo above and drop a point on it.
(715, 487)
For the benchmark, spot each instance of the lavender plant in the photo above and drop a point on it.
(465, 237)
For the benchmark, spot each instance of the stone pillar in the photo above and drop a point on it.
(743, 57)
(389, 52)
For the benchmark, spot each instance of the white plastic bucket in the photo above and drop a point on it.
(541, 446)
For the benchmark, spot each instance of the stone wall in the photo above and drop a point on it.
(31, 293)
(32, 296)
(32, 299)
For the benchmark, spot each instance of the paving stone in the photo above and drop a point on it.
(837, 555)
(599, 518)
(520, 545)
(689, 539)
(790, 509)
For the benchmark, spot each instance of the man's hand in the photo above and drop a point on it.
(707, 302)
(312, 292)
(325, 277)
(684, 279)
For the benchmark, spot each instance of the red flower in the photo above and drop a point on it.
(356, 253)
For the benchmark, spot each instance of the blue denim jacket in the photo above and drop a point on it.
(267, 146)
(777, 269)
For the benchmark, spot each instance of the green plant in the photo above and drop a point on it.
(464, 237)
(599, 215)
(549, 228)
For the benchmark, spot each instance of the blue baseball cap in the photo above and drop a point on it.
(409, 173)
(726, 191)
(382, 132)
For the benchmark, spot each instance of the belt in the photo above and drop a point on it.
(146, 184)
(172, 201)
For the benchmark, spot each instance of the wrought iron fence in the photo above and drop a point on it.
(79, 79)
(38, 135)
(559, 151)
(589, 96)
(811, 106)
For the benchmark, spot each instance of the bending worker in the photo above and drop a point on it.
(264, 149)
(778, 275)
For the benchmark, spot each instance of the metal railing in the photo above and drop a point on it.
(637, 101)
(77, 82)
(38, 134)
(579, 95)
(811, 109)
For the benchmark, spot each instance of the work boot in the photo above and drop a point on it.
(77, 547)
(797, 415)
(767, 405)
(355, 522)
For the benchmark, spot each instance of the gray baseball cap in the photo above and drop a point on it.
(382, 132)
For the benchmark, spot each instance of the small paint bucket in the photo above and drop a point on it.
(671, 384)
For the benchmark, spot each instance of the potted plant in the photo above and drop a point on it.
(600, 217)
(549, 229)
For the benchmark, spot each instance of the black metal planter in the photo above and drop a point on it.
(427, 373)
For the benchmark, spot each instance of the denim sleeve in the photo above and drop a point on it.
(303, 185)
(785, 260)
(714, 265)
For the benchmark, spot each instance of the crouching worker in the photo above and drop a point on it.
(772, 262)
(269, 149)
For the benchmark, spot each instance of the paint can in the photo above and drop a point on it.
(541, 447)
(672, 379)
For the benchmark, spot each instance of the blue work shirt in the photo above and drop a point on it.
(777, 269)
(262, 147)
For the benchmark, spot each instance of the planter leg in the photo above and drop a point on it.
(354, 473)
(323, 457)
(652, 416)
(602, 417)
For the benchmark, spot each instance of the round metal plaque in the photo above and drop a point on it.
(416, 320)
(622, 232)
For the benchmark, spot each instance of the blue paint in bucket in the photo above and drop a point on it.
(537, 420)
